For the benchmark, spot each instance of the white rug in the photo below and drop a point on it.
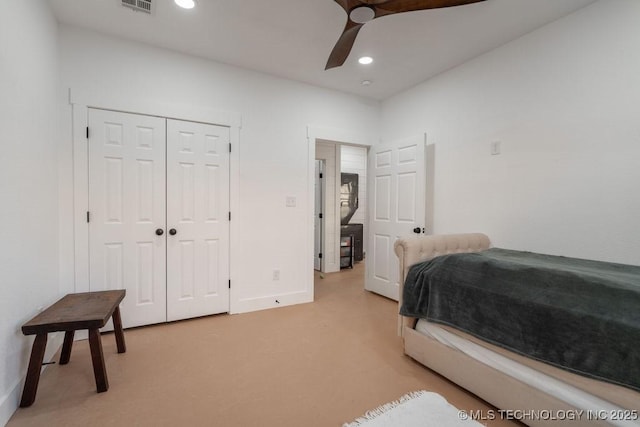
(416, 409)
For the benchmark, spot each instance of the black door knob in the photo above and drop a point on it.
(173, 231)
(417, 230)
(159, 231)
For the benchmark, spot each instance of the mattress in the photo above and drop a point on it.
(578, 314)
(579, 392)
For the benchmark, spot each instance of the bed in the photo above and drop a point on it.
(536, 393)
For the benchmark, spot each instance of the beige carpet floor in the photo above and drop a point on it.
(318, 364)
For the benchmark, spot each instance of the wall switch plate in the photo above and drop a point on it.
(276, 274)
(495, 148)
(291, 202)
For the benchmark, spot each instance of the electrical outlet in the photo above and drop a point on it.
(276, 274)
(291, 202)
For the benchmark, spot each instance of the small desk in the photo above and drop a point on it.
(89, 310)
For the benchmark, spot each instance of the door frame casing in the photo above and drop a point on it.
(330, 237)
(81, 101)
(339, 137)
(319, 186)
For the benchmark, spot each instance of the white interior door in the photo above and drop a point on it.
(197, 219)
(318, 216)
(127, 210)
(397, 180)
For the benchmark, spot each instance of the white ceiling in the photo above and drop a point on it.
(293, 38)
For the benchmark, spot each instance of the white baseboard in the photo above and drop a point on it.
(9, 403)
(272, 301)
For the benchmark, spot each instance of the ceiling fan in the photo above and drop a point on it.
(360, 12)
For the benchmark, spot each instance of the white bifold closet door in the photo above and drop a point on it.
(127, 206)
(198, 213)
(158, 211)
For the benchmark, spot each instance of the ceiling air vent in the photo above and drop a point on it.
(141, 5)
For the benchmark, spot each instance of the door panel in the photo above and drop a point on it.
(127, 205)
(382, 197)
(197, 209)
(406, 197)
(398, 182)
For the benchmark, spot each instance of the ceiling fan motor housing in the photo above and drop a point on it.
(362, 14)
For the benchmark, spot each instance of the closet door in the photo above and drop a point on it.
(197, 219)
(127, 246)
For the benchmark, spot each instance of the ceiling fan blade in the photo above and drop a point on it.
(348, 5)
(343, 47)
(399, 6)
(380, 8)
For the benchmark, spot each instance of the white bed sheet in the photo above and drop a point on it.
(539, 380)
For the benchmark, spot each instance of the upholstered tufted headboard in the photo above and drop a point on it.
(413, 250)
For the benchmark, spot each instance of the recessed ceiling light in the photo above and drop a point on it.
(366, 83)
(365, 60)
(186, 4)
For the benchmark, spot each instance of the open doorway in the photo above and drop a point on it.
(353, 203)
(397, 195)
(341, 208)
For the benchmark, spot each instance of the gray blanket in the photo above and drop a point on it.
(580, 315)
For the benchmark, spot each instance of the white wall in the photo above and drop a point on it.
(28, 182)
(274, 150)
(565, 103)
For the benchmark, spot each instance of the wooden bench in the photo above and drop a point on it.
(91, 311)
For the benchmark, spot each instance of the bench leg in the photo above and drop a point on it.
(97, 358)
(117, 329)
(65, 355)
(33, 372)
